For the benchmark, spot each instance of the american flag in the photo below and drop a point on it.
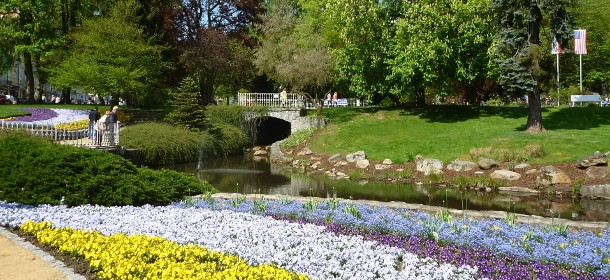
(580, 41)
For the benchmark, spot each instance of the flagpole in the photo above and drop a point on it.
(581, 73)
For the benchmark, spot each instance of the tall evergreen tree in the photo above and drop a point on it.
(518, 47)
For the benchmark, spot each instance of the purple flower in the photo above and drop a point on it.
(50, 116)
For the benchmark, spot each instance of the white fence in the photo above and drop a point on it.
(271, 100)
(293, 100)
(103, 137)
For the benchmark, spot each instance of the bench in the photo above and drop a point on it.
(586, 98)
(343, 102)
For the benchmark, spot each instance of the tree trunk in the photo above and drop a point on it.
(395, 99)
(29, 75)
(206, 91)
(40, 89)
(534, 117)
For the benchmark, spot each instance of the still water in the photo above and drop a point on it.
(240, 175)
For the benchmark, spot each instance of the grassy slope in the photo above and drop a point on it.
(450, 132)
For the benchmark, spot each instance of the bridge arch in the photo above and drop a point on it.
(278, 123)
(270, 130)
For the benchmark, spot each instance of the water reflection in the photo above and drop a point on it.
(240, 175)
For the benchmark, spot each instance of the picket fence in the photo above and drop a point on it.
(82, 137)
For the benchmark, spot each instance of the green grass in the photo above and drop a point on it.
(451, 132)
(298, 138)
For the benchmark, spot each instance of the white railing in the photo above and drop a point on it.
(292, 100)
(106, 137)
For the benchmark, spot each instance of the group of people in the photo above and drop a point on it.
(331, 100)
(103, 127)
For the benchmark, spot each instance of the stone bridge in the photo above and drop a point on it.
(279, 123)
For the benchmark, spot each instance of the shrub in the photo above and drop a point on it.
(163, 144)
(226, 139)
(40, 172)
(220, 116)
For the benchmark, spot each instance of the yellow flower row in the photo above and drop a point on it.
(145, 257)
(75, 125)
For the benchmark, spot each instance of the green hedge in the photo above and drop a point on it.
(165, 144)
(162, 144)
(36, 171)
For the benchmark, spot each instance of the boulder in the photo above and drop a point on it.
(598, 172)
(461, 165)
(551, 175)
(276, 155)
(504, 174)
(381, 166)
(305, 152)
(353, 157)
(335, 158)
(487, 163)
(260, 152)
(531, 171)
(522, 166)
(363, 163)
(599, 191)
(387, 161)
(341, 175)
(429, 166)
(595, 159)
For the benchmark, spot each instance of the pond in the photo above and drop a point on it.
(240, 175)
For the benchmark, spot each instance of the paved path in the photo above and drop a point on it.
(20, 260)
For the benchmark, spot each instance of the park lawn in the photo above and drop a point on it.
(449, 132)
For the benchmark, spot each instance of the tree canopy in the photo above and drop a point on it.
(110, 56)
(293, 51)
(400, 52)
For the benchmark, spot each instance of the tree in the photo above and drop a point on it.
(518, 47)
(292, 50)
(359, 44)
(110, 56)
(160, 22)
(440, 47)
(7, 55)
(212, 39)
(30, 27)
(217, 60)
(187, 113)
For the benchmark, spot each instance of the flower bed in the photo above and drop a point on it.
(46, 116)
(301, 248)
(332, 240)
(145, 257)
